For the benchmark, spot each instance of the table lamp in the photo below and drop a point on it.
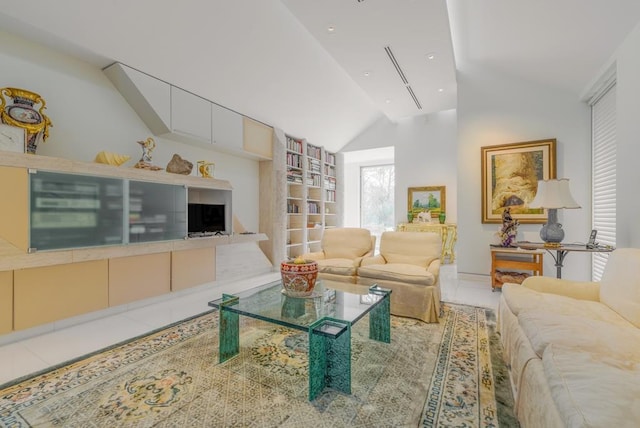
(553, 194)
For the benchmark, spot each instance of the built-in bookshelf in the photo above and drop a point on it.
(311, 190)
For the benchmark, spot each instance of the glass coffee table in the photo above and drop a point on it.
(327, 317)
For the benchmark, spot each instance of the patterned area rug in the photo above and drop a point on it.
(430, 375)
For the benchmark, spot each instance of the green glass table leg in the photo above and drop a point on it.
(329, 356)
(228, 330)
(379, 317)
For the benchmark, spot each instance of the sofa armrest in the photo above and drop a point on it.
(375, 260)
(318, 255)
(583, 290)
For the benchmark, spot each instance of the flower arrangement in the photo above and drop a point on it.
(509, 229)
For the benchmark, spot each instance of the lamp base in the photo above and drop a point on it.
(552, 232)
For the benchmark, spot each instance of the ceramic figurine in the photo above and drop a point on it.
(145, 161)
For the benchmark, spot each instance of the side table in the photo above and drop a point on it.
(505, 259)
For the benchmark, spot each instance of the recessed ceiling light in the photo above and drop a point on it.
(331, 29)
(440, 90)
(367, 73)
(431, 56)
(388, 101)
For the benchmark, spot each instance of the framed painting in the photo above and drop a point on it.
(432, 198)
(510, 174)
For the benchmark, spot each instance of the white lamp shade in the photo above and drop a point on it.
(554, 194)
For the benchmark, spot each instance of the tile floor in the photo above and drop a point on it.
(27, 352)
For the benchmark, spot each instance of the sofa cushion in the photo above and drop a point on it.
(337, 266)
(620, 284)
(414, 248)
(521, 299)
(346, 243)
(400, 272)
(593, 389)
(543, 328)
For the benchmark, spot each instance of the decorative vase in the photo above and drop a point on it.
(299, 279)
(22, 114)
(410, 217)
(442, 217)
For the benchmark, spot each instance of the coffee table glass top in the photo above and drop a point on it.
(337, 300)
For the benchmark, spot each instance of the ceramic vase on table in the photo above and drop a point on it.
(298, 278)
(442, 217)
(23, 115)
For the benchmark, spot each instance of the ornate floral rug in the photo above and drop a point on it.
(430, 375)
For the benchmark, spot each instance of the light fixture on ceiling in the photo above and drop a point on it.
(404, 79)
(367, 73)
(431, 56)
(331, 29)
(440, 90)
(388, 101)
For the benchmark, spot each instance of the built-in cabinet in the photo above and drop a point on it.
(6, 301)
(177, 114)
(312, 203)
(50, 293)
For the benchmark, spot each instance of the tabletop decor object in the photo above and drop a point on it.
(111, 158)
(23, 115)
(178, 165)
(298, 277)
(509, 229)
(145, 161)
(206, 168)
(552, 195)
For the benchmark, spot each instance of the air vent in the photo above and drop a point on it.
(392, 57)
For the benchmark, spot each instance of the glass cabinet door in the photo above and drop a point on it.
(157, 212)
(71, 211)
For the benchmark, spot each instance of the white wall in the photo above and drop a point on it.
(90, 115)
(425, 155)
(628, 136)
(497, 109)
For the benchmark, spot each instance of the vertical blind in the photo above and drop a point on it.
(603, 140)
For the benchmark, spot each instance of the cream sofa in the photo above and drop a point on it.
(409, 265)
(342, 250)
(573, 348)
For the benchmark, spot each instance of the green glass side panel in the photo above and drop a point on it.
(379, 317)
(329, 357)
(228, 330)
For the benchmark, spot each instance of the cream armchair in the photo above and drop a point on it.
(342, 250)
(409, 265)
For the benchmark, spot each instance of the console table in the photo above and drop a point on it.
(514, 259)
(448, 231)
(562, 251)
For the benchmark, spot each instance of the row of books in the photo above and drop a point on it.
(294, 160)
(294, 145)
(313, 151)
(330, 196)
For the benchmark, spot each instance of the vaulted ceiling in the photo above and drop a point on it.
(326, 70)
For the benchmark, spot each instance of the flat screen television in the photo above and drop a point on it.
(206, 218)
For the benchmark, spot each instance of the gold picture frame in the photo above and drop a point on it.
(431, 198)
(510, 174)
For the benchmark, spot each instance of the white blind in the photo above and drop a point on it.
(603, 122)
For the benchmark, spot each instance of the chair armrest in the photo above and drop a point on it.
(318, 255)
(582, 290)
(374, 260)
(434, 268)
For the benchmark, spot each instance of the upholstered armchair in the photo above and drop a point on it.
(342, 251)
(409, 265)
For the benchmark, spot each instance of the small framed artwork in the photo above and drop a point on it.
(510, 174)
(12, 138)
(430, 198)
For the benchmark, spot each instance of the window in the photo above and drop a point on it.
(377, 185)
(603, 140)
